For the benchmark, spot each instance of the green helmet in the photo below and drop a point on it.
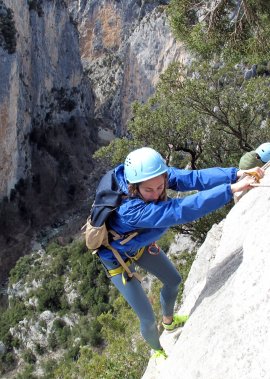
(143, 164)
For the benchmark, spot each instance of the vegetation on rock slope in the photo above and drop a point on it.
(65, 319)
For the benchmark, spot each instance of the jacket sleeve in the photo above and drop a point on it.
(163, 214)
(186, 180)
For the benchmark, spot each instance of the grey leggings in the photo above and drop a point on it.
(160, 266)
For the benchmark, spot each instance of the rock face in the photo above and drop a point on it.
(53, 116)
(227, 296)
(125, 46)
(42, 84)
(46, 130)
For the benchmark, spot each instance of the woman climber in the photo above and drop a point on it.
(145, 208)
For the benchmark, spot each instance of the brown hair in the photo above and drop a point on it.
(133, 189)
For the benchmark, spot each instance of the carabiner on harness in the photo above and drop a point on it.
(153, 249)
(125, 277)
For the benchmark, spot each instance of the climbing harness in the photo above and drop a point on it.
(123, 269)
(118, 270)
(137, 256)
(127, 274)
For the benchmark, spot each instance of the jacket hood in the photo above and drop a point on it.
(120, 175)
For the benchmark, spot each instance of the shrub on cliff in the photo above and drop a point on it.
(235, 30)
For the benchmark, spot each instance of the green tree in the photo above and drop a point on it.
(208, 114)
(234, 30)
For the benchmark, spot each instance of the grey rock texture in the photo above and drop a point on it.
(47, 133)
(125, 46)
(227, 295)
(69, 73)
(42, 84)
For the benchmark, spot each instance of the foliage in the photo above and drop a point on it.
(60, 334)
(48, 367)
(10, 318)
(115, 152)
(59, 265)
(124, 356)
(94, 333)
(22, 268)
(234, 30)
(183, 265)
(89, 278)
(166, 240)
(7, 362)
(206, 113)
(27, 373)
(51, 295)
(29, 357)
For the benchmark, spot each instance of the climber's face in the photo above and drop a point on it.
(152, 189)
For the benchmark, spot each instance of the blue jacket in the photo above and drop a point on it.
(152, 219)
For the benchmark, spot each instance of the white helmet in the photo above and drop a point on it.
(143, 164)
(264, 152)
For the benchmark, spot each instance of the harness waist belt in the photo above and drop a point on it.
(119, 270)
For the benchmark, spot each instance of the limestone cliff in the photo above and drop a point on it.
(42, 83)
(69, 73)
(125, 46)
(227, 297)
(46, 132)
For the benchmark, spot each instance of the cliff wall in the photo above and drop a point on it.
(42, 83)
(47, 133)
(70, 71)
(125, 46)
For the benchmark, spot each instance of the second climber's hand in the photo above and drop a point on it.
(257, 173)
